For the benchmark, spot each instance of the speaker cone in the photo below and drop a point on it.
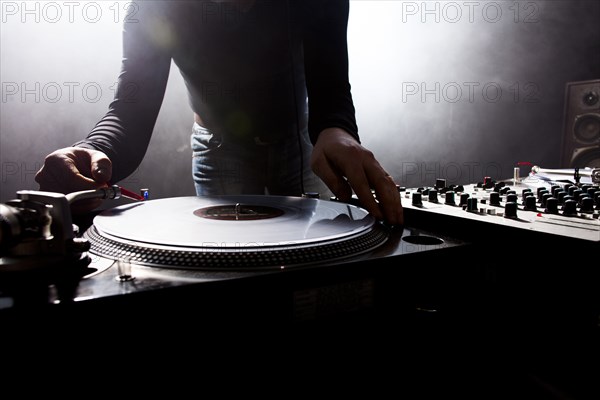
(588, 157)
(587, 128)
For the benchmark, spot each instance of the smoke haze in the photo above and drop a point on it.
(458, 90)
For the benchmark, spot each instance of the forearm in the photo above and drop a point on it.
(326, 64)
(124, 133)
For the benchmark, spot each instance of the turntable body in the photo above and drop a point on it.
(248, 258)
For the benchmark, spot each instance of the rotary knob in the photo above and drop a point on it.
(554, 189)
(541, 194)
(561, 197)
(587, 205)
(463, 199)
(433, 195)
(510, 209)
(529, 203)
(450, 198)
(552, 205)
(417, 199)
(544, 199)
(472, 204)
(488, 182)
(569, 208)
(495, 199)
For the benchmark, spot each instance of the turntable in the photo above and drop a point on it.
(234, 232)
(239, 258)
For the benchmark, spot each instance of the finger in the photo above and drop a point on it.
(388, 197)
(332, 178)
(386, 193)
(61, 174)
(101, 167)
(360, 183)
(50, 183)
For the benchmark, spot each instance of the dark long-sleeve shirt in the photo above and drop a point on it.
(248, 73)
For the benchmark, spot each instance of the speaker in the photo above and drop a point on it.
(581, 131)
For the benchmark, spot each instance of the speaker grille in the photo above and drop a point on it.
(586, 128)
(581, 132)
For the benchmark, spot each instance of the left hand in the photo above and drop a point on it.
(345, 165)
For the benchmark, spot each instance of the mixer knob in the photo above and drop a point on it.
(541, 194)
(587, 205)
(571, 189)
(417, 199)
(511, 198)
(554, 189)
(488, 182)
(463, 199)
(528, 194)
(576, 193)
(556, 192)
(472, 204)
(433, 195)
(504, 190)
(494, 199)
(450, 198)
(510, 210)
(540, 189)
(569, 208)
(552, 205)
(440, 183)
(545, 198)
(525, 191)
(459, 188)
(562, 196)
(529, 203)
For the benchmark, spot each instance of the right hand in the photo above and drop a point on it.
(74, 169)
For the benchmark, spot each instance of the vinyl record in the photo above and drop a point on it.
(234, 232)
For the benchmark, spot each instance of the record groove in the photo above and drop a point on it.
(169, 233)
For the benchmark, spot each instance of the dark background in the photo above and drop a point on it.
(456, 90)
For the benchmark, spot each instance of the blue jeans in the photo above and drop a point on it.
(222, 167)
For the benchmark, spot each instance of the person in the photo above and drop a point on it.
(273, 110)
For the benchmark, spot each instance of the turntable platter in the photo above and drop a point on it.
(234, 232)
